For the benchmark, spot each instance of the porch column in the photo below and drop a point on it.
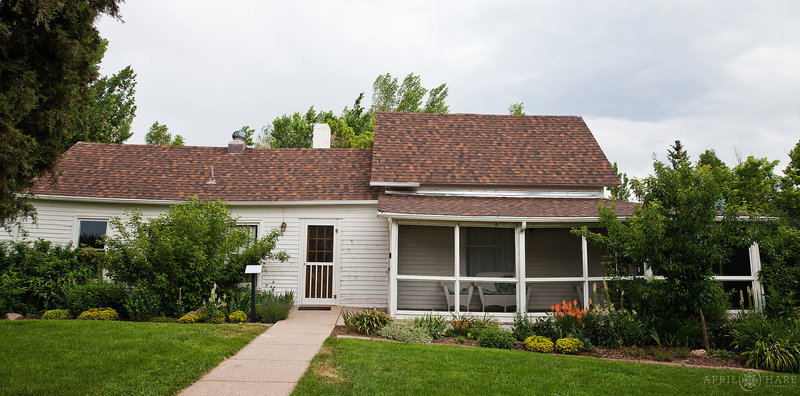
(456, 270)
(522, 291)
(585, 256)
(755, 266)
(392, 267)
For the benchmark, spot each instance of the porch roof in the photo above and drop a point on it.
(498, 206)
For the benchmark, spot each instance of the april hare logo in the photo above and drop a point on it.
(749, 380)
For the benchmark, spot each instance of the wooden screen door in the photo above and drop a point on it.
(319, 279)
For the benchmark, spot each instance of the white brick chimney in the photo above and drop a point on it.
(322, 136)
(237, 145)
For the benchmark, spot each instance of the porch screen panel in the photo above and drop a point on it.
(543, 295)
(416, 295)
(425, 250)
(489, 251)
(596, 255)
(552, 252)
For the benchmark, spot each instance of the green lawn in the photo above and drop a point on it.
(351, 366)
(93, 357)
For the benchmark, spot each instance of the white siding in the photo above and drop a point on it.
(363, 278)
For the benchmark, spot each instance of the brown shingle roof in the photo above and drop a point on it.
(498, 207)
(177, 172)
(487, 149)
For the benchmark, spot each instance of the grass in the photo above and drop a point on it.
(112, 358)
(351, 366)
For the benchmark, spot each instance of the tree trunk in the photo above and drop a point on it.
(705, 330)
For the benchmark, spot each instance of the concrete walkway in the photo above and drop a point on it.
(274, 361)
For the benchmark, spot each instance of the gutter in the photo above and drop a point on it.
(173, 202)
(498, 219)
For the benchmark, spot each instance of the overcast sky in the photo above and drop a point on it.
(722, 75)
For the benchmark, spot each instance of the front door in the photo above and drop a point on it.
(319, 278)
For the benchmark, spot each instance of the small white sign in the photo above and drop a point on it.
(252, 269)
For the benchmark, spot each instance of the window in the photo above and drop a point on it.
(252, 233)
(737, 265)
(320, 244)
(90, 233)
(490, 250)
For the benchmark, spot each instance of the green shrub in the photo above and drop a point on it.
(238, 299)
(80, 298)
(568, 346)
(682, 352)
(538, 344)
(770, 344)
(272, 307)
(526, 326)
(368, 322)
(237, 317)
(495, 337)
(432, 323)
(661, 355)
(674, 333)
(634, 351)
(609, 327)
(142, 304)
(34, 275)
(405, 331)
(212, 315)
(161, 319)
(99, 314)
(182, 253)
(57, 314)
(189, 318)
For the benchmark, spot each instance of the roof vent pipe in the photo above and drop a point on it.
(237, 145)
(322, 136)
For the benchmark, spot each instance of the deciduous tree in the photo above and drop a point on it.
(183, 253)
(516, 108)
(676, 232)
(623, 191)
(159, 135)
(111, 109)
(296, 130)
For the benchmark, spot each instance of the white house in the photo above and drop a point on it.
(448, 212)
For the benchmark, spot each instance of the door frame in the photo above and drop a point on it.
(304, 223)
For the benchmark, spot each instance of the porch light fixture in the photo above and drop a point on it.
(253, 270)
(283, 227)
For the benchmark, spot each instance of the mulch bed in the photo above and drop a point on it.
(645, 355)
(632, 354)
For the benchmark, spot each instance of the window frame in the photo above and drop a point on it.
(251, 223)
(76, 233)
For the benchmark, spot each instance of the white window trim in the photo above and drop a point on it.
(253, 222)
(76, 227)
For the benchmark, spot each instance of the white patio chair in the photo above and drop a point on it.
(500, 294)
(464, 298)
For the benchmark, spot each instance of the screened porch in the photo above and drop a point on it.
(503, 268)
